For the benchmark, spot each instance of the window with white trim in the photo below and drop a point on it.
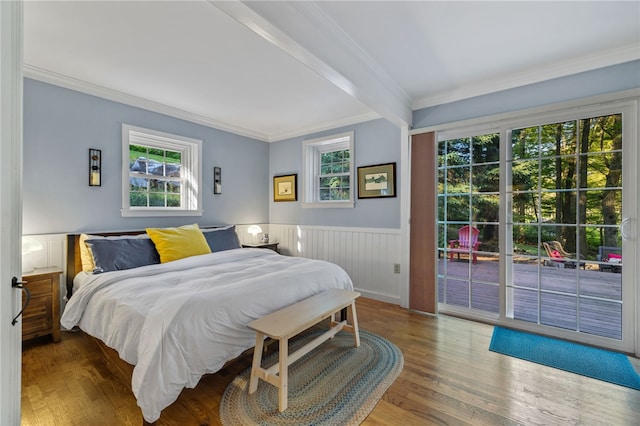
(328, 171)
(161, 173)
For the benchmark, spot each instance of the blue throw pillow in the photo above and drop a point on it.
(116, 255)
(222, 239)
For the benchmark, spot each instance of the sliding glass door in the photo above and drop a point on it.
(468, 223)
(533, 229)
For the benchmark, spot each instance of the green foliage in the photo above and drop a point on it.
(567, 173)
(160, 155)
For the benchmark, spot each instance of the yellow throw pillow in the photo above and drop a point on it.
(85, 254)
(177, 243)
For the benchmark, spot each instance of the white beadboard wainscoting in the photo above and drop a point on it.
(368, 255)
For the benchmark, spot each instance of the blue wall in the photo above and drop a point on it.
(591, 83)
(376, 142)
(60, 126)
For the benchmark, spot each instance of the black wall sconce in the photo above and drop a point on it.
(95, 167)
(217, 180)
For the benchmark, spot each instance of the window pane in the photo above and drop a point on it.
(138, 184)
(525, 240)
(486, 208)
(524, 175)
(156, 200)
(525, 208)
(156, 154)
(603, 170)
(156, 185)
(138, 164)
(325, 182)
(458, 180)
(525, 143)
(604, 133)
(138, 199)
(458, 208)
(486, 148)
(173, 200)
(558, 138)
(486, 178)
(137, 151)
(558, 207)
(173, 186)
(559, 173)
(458, 152)
(173, 157)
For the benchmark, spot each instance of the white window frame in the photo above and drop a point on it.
(311, 152)
(191, 170)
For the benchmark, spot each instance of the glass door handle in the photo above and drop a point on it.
(625, 229)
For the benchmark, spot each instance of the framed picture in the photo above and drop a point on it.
(285, 188)
(377, 181)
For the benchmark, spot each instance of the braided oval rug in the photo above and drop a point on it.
(335, 384)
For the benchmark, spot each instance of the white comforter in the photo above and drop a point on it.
(179, 320)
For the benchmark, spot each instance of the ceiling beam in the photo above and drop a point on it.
(304, 31)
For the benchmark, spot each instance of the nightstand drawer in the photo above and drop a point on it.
(42, 315)
(37, 318)
(39, 287)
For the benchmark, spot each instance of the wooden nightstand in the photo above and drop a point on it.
(271, 246)
(42, 314)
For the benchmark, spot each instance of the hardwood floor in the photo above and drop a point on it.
(449, 378)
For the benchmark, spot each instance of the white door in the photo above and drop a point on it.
(11, 208)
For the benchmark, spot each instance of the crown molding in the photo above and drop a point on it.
(537, 74)
(71, 83)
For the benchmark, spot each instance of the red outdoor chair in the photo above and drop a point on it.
(559, 257)
(467, 242)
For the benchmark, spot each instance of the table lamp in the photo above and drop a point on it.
(29, 245)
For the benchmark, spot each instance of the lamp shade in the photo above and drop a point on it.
(30, 244)
(254, 229)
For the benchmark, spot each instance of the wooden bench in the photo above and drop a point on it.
(289, 321)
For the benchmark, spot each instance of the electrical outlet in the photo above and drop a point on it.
(396, 268)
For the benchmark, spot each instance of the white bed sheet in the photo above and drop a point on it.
(180, 320)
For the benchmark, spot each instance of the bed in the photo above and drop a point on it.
(177, 320)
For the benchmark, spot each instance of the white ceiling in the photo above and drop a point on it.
(274, 70)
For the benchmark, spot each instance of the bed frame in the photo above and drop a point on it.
(120, 368)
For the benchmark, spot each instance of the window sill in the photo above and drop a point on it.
(329, 205)
(160, 213)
